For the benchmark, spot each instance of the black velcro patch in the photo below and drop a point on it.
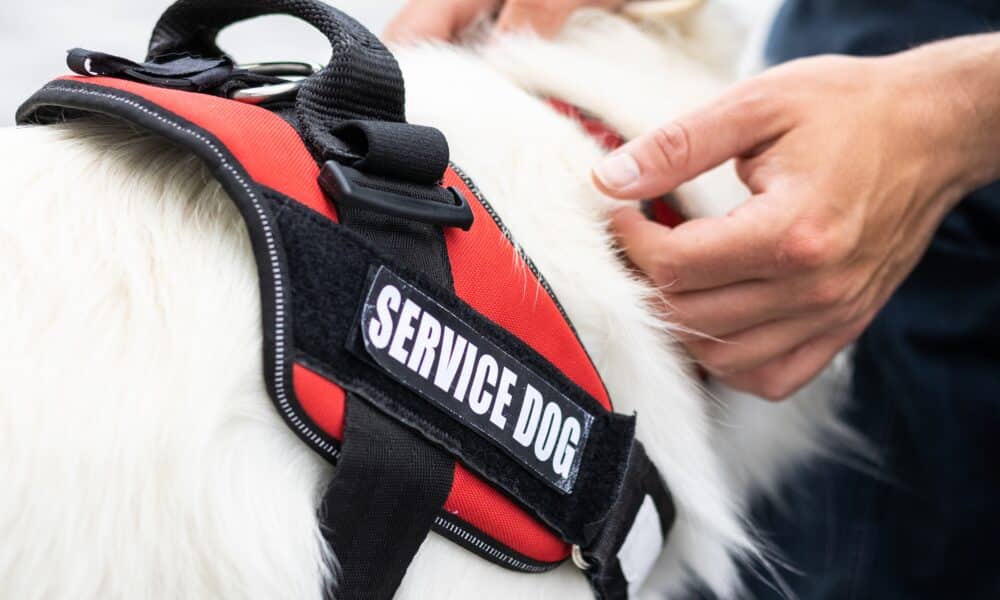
(433, 352)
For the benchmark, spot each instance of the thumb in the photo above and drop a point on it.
(656, 163)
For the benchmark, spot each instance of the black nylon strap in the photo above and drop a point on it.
(642, 481)
(362, 82)
(189, 73)
(389, 493)
(416, 245)
(388, 486)
(403, 480)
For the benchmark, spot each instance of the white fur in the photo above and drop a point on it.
(141, 456)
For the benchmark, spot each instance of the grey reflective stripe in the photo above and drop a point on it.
(489, 550)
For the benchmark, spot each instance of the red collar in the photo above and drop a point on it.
(660, 209)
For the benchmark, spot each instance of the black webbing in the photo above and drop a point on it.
(408, 479)
(362, 82)
(416, 245)
(193, 74)
(388, 486)
(642, 481)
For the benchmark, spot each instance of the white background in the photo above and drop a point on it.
(34, 36)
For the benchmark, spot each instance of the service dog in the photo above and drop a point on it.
(142, 457)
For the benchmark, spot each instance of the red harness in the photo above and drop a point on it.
(489, 274)
(324, 277)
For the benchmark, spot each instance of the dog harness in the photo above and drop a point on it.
(405, 337)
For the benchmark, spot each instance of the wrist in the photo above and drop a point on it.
(953, 85)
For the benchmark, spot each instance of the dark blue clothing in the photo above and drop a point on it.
(926, 386)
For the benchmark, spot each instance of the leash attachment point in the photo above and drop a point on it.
(263, 94)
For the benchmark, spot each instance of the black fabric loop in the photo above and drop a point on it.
(398, 150)
(361, 82)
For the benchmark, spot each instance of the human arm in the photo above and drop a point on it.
(851, 163)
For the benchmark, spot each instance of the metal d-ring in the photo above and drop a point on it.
(276, 91)
(578, 559)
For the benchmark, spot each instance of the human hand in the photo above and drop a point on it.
(851, 163)
(443, 19)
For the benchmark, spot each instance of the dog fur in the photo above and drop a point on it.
(141, 455)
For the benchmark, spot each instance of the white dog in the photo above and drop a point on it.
(140, 455)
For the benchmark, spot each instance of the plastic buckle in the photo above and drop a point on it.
(335, 180)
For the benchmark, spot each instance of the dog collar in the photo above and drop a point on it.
(661, 209)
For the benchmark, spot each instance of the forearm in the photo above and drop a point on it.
(959, 80)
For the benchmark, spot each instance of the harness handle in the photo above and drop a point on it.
(361, 82)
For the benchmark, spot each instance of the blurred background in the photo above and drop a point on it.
(34, 37)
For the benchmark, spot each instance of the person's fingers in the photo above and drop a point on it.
(417, 21)
(783, 376)
(418, 29)
(757, 346)
(544, 17)
(730, 309)
(654, 164)
(434, 19)
(705, 253)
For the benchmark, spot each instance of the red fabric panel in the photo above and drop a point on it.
(479, 504)
(267, 147)
(491, 276)
(322, 400)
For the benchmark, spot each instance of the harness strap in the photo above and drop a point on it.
(390, 482)
(622, 557)
(388, 487)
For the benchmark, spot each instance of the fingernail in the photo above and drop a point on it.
(617, 171)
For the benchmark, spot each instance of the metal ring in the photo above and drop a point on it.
(578, 559)
(282, 68)
(278, 91)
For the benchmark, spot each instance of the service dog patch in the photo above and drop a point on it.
(433, 352)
